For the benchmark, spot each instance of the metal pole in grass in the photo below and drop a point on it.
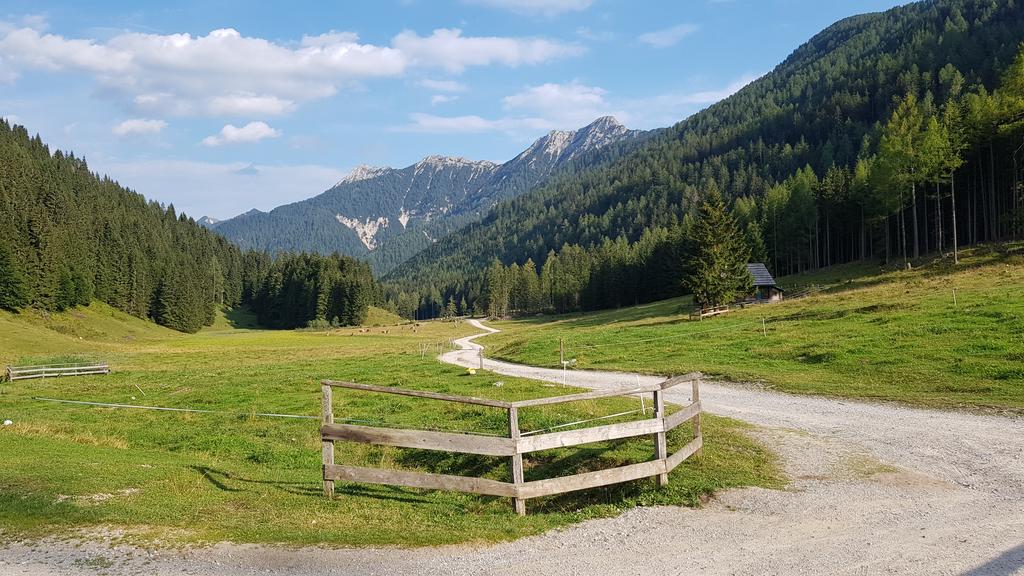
(954, 298)
(764, 327)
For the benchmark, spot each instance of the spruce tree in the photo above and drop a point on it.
(718, 266)
(13, 288)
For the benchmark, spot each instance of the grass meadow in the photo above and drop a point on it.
(872, 333)
(168, 478)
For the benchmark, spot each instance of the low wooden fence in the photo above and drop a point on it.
(702, 313)
(514, 445)
(55, 370)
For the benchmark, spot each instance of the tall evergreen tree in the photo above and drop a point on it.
(13, 288)
(718, 267)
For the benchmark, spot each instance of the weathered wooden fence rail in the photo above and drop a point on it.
(514, 445)
(55, 370)
(702, 313)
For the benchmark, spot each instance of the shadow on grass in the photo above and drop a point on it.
(380, 492)
(240, 317)
(219, 479)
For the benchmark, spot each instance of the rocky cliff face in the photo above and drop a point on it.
(389, 214)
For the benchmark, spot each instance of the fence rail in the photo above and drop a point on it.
(55, 370)
(514, 445)
(702, 313)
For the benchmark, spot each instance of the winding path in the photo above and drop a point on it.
(876, 489)
(954, 504)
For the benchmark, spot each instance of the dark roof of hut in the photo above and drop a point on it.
(761, 275)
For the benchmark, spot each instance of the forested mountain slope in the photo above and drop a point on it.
(71, 236)
(386, 215)
(795, 152)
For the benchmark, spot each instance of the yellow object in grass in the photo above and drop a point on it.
(472, 371)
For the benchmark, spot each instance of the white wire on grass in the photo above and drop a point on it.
(224, 413)
(580, 422)
(167, 409)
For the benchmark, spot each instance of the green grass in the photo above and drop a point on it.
(183, 478)
(381, 317)
(875, 334)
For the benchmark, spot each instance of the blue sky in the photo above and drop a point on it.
(219, 107)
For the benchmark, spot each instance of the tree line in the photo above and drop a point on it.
(71, 236)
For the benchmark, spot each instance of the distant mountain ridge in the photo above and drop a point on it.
(208, 222)
(389, 214)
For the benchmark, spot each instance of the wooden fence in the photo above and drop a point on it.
(702, 313)
(514, 445)
(55, 370)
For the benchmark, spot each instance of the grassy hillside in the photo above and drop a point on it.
(176, 477)
(876, 334)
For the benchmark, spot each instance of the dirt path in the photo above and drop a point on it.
(877, 489)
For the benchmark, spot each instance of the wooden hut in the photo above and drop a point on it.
(765, 288)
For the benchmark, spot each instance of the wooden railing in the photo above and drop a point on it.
(514, 445)
(702, 313)
(55, 370)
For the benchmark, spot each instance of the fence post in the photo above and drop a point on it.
(519, 504)
(695, 397)
(327, 448)
(660, 444)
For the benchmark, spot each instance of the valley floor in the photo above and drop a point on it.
(876, 489)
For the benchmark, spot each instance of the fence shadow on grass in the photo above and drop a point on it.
(219, 479)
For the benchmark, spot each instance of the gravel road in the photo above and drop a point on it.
(876, 489)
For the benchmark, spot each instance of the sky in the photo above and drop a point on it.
(223, 106)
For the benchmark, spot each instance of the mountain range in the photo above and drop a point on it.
(387, 215)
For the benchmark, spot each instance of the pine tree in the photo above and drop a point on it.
(718, 267)
(900, 153)
(13, 288)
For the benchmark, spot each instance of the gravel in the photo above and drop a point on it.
(876, 489)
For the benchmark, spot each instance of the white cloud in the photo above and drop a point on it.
(667, 37)
(565, 106)
(671, 107)
(443, 85)
(220, 190)
(545, 7)
(251, 132)
(702, 96)
(138, 126)
(226, 73)
(573, 105)
(442, 99)
(559, 97)
(250, 105)
(470, 124)
(545, 107)
(587, 33)
(449, 49)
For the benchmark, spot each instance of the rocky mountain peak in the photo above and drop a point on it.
(361, 172)
(208, 221)
(436, 161)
